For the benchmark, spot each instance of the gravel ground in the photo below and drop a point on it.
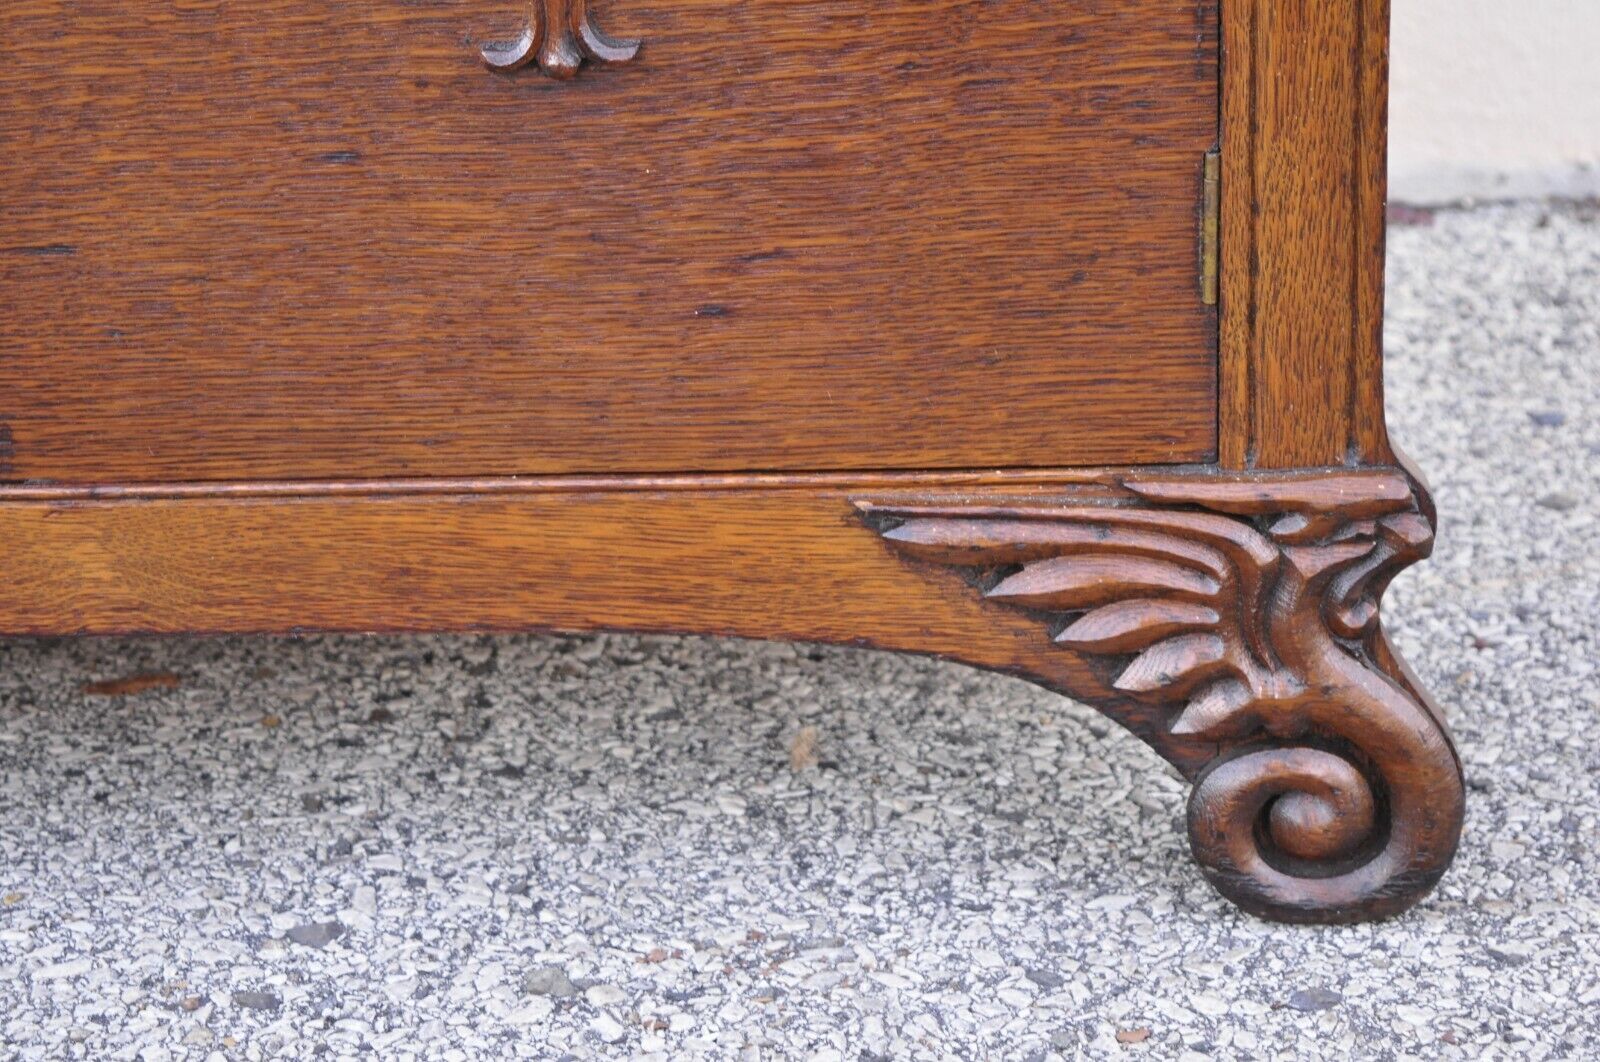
(590, 847)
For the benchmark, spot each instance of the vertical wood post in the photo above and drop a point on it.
(1305, 95)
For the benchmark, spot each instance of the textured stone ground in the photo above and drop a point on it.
(595, 847)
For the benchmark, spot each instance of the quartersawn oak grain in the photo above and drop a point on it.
(297, 239)
(1305, 148)
(770, 557)
(1231, 621)
(1229, 618)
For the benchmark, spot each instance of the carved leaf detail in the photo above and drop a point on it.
(1192, 585)
(976, 542)
(1128, 626)
(1215, 709)
(1172, 662)
(1079, 582)
(1181, 592)
(1232, 608)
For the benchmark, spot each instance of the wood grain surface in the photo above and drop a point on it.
(309, 322)
(769, 557)
(1304, 135)
(1213, 615)
(769, 560)
(303, 240)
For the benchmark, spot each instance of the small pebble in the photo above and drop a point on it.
(257, 1000)
(549, 981)
(1314, 999)
(316, 934)
(1560, 501)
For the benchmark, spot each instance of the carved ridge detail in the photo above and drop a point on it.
(1244, 610)
(560, 36)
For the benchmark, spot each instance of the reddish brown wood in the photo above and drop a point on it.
(1251, 659)
(304, 338)
(1245, 612)
(765, 558)
(787, 237)
(1304, 155)
(1022, 478)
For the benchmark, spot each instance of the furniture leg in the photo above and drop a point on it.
(1232, 621)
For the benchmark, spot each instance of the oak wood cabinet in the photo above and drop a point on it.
(1043, 335)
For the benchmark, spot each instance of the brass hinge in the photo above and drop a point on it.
(1211, 227)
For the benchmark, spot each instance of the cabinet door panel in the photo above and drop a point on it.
(319, 239)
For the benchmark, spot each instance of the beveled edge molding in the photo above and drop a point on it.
(560, 36)
(1010, 479)
(1241, 610)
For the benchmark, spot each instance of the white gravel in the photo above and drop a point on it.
(463, 848)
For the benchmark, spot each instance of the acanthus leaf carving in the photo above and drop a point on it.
(1244, 608)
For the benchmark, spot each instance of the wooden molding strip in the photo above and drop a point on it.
(517, 485)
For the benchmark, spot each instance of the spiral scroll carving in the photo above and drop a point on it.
(1243, 611)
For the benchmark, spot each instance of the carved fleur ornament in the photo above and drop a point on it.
(560, 36)
(1244, 613)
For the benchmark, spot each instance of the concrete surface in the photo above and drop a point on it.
(462, 848)
(1495, 100)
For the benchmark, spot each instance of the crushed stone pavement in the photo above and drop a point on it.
(597, 847)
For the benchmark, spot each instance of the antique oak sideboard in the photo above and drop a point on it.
(1043, 335)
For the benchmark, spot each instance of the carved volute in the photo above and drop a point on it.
(1246, 609)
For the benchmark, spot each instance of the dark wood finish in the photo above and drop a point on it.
(1304, 156)
(732, 339)
(786, 237)
(1330, 791)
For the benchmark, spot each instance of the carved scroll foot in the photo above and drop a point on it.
(1232, 622)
